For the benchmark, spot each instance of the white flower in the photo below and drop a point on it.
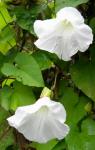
(65, 35)
(41, 121)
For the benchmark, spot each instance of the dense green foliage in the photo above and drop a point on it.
(25, 70)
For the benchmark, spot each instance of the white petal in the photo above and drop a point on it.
(41, 27)
(47, 43)
(60, 130)
(44, 128)
(71, 14)
(41, 121)
(64, 46)
(53, 44)
(84, 37)
(78, 40)
(69, 43)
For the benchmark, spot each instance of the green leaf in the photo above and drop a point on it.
(22, 95)
(47, 146)
(83, 75)
(2, 57)
(88, 126)
(3, 115)
(73, 140)
(74, 105)
(60, 145)
(26, 70)
(6, 137)
(5, 97)
(7, 140)
(92, 24)
(43, 60)
(83, 140)
(23, 14)
(7, 39)
(19, 95)
(71, 3)
(4, 16)
(81, 132)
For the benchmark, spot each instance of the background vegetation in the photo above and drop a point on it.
(25, 70)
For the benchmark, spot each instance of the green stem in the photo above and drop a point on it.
(46, 92)
(54, 8)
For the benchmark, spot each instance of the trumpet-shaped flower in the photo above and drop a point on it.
(41, 121)
(65, 35)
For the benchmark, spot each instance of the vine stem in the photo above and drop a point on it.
(54, 86)
(54, 7)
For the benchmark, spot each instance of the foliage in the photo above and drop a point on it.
(64, 3)
(24, 71)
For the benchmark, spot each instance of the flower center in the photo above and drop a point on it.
(67, 24)
(43, 109)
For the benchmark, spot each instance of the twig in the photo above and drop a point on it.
(54, 86)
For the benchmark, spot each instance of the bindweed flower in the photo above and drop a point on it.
(41, 121)
(65, 35)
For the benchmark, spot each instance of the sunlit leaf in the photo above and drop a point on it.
(4, 16)
(7, 39)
